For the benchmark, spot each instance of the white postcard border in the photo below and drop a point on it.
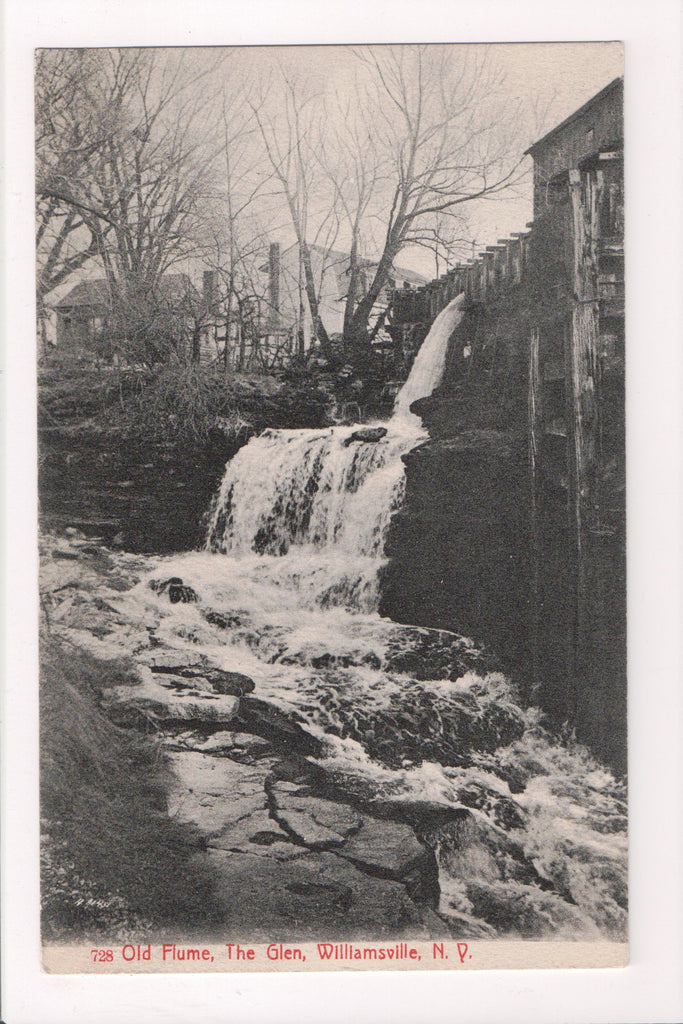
(648, 989)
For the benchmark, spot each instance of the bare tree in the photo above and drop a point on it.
(290, 127)
(132, 174)
(387, 164)
(245, 238)
(71, 130)
(441, 130)
(125, 171)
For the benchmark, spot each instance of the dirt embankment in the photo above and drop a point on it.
(136, 458)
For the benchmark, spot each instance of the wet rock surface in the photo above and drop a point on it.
(418, 806)
(178, 592)
(435, 654)
(416, 725)
(368, 435)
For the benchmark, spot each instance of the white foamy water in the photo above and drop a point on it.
(309, 489)
(305, 491)
(429, 362)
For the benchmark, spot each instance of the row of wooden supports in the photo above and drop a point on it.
(497, 269)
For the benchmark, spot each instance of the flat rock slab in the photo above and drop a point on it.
(225, 741)
(222, 681)
(166, 660)
(163, 702)
(387, 848)
(257, 833)
(315, 822)
(317, 896)
(215, 793)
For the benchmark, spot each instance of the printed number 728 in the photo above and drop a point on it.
(101, 956)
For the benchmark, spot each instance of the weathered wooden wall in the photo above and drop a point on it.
(538, 359)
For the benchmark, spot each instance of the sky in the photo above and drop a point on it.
(545, 81)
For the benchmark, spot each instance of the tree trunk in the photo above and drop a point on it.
(228, 319)
(318, 326)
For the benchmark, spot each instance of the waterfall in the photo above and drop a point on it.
(286, 594)
(429, 362)
(319, 490)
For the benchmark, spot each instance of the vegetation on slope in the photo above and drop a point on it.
(113, 864)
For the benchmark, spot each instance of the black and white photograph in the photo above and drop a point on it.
(342, 434)
(332, 502)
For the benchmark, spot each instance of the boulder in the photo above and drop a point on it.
(270, 722)
(389, 848)
(73, 533)
(503, 810)
(224, 620)
(370, 435)
(178, 592)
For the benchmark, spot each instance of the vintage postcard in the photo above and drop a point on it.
(323, 387)
(331, 362)
(324, 384)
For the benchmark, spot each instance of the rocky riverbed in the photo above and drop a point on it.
(366, 780)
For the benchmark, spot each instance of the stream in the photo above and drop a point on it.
(351, 776)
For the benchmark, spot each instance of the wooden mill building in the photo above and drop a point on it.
(538, 360)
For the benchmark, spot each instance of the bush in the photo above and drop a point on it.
(178, 402)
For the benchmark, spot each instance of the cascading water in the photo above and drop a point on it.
(319, 490)
(429, 363)
(286, 593)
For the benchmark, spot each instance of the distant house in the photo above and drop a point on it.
(287, 301)
(83, 314)
(92, 322)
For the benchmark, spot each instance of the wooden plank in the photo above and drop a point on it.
(534, 425)
(584, 192)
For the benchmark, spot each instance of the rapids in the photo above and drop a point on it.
(286, 592)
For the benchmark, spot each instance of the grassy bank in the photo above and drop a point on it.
(113, 864)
